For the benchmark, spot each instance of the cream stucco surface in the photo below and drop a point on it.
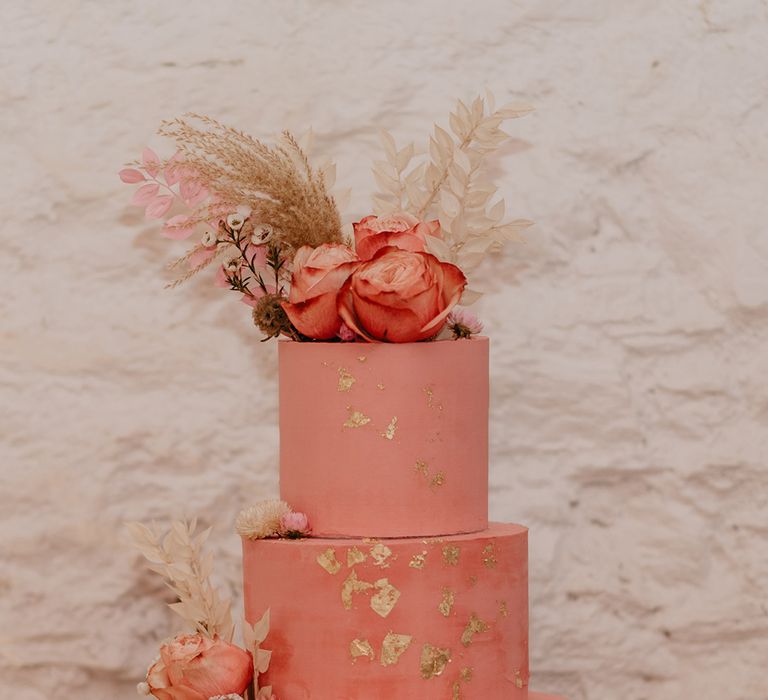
(630, 334)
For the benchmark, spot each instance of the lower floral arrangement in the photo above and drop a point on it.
(348, 619)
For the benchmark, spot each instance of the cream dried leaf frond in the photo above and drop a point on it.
(179, 558)
(276, 181)
(261, 520)
(450, 186)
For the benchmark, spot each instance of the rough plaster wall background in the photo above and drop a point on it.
(630, 336)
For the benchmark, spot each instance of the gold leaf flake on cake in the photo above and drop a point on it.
(519, 679)
(393, 647)
(351, 585)
(451, 554)
(418, 560)
(503, 609)
(361, 647)
(433, 661)
(380, 386)
(474, 626)
(380, 553)
(384, 601)
(473, 581)
(422, 467)
(489, 556)
(429, 390)
(362, 358)
(389, 433)
(446, 605)
(346, 379)
(355, 556)
(356, 419)
(456, 691)
(328, 561)
(466, 674)
(437, 480)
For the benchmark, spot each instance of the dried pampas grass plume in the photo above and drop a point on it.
(261, 520)
(276, 182)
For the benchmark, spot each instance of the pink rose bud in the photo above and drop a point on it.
(294, 525)
(193, 667)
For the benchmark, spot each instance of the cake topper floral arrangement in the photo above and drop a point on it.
(265, 219)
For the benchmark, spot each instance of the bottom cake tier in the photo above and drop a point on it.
(413, 619)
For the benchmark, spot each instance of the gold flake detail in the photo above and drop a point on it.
(456, 691)
(437, 480)
(474, 626)
(389, 433)
(328, 561)
(503, 610)
(380, 386)
(350, 586)
(433, 661)
(361, 647)
(355, 556)
(430, 392)
(362, 358)
(518, 680)
(473, 581)
(385, 600)
(422, 467)
(393, 647)
(466, 674)
(346, 379)
(489, 556)
(446, 605)
(451, 555)
(380, 553)
(418, 560)
(356, 419)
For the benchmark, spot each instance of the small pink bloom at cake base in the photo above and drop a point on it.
(401, 230)
(294, 525)
(193, 667)
(318, 275)
(400, 297)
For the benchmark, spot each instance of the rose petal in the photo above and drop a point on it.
(317, 318)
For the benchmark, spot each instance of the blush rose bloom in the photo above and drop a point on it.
(318, 275)
(193, 667)
(400, 296)
(401, 230)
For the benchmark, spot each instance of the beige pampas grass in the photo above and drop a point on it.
(261, 520)
(276, 182)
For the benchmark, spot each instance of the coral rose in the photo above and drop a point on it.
(193, 667)
(401, 230)
(318, 275)
(400, 296)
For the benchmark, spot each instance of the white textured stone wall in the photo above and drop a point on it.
(630, 336)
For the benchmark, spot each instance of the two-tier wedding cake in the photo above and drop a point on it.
(376, 574)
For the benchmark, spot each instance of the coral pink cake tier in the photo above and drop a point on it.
(385, 440)
(413, 619)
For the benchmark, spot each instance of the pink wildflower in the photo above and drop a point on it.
(463, 323)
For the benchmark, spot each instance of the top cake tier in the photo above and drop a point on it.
(385, 439)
